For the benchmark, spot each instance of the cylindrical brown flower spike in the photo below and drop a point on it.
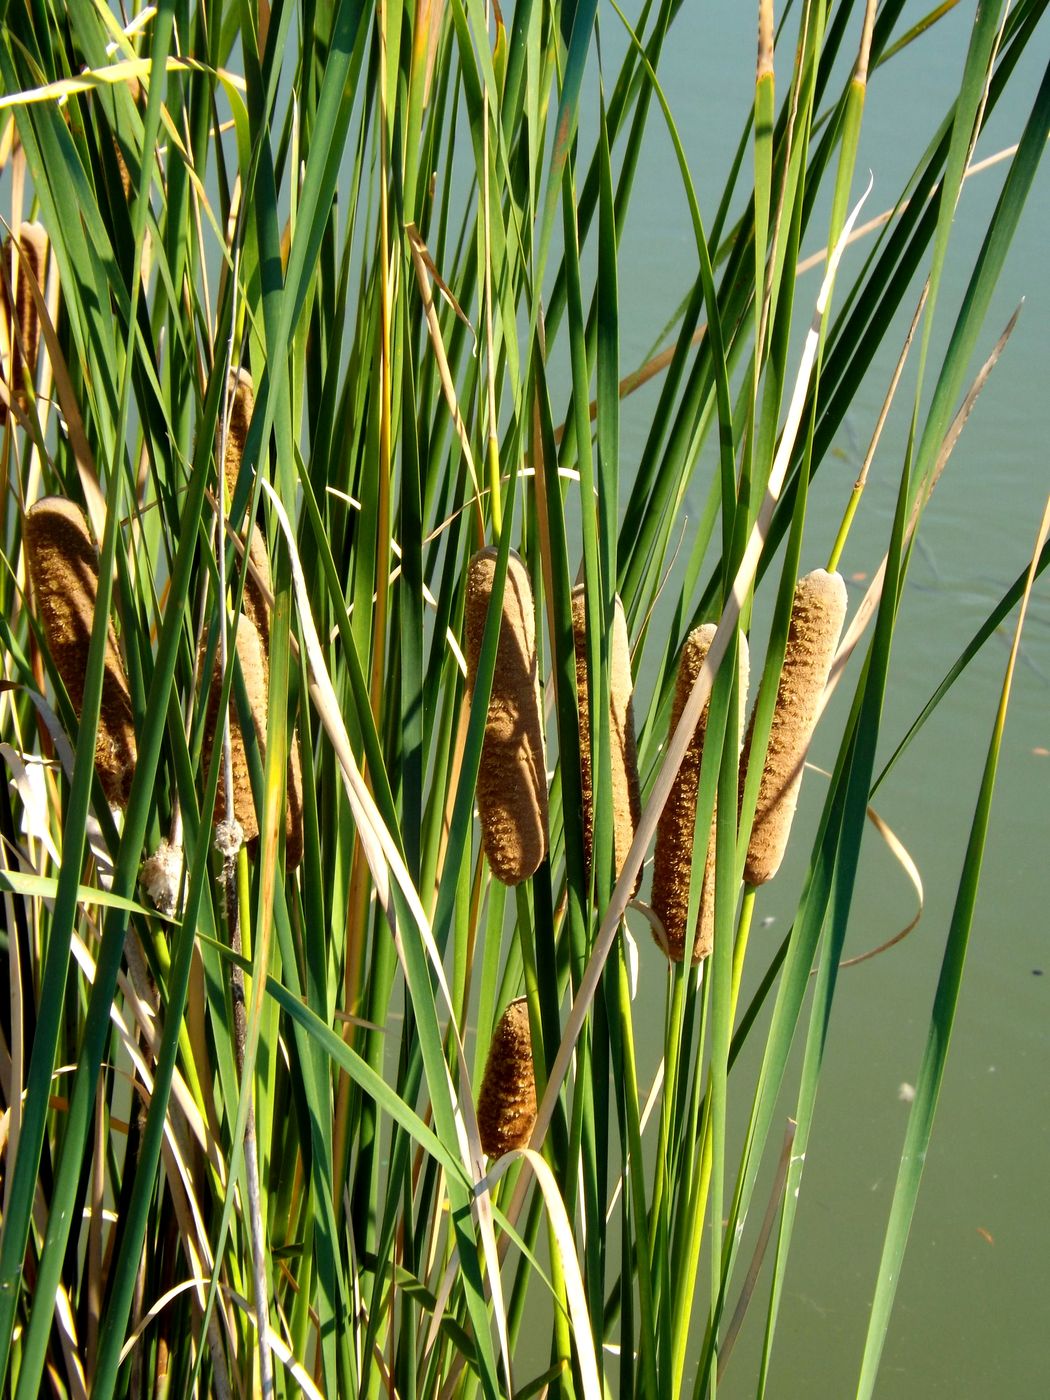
(674, 834)
(258, 586)
(507, 1101)
(817, 614)
(22, 329)
(63, 568)
(135, 93)
(258, 590)
(252, 654)
(241, 407)
(626, 798)
(512, 779)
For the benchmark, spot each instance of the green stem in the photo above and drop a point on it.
(697, 1207)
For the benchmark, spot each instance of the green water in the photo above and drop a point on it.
(973, 1307)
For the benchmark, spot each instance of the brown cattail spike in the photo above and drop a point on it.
(258, 592)
(252, 658)
(135, 93)
(21, 330)
(512, 780)
(507, 1102)
(241, 407)
(626, 798)
(258, 586)
(63, 569)
(817, 614)
(252, 653)
(674, 834)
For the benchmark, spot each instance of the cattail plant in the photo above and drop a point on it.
(512, 779)
(818, 611)
(626, 799)
(21, 322)
(451, 354)
(507, 1101)
(63, 570)
(674, 834)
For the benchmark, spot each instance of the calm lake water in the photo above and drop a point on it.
(972, 1317)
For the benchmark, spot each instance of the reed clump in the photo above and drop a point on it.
(626, 794)
(21, 321)
(507, 1101)
(818, 611)
(512, 779)
(674, 835)
(63, 571)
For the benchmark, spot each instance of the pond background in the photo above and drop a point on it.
(972, 1316)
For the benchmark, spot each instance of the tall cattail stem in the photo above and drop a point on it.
(235, 882)
(697, 1195)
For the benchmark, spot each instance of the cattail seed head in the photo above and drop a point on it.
(674, 834)
(254, 669)
(257, 595)
(818, 611)
(512, 779)
(63, 569)
(253, 657)
(507, 1101)
(161, 878)
(135, 93)
(626, 797)
(21, 322)
(258, 586)
(241, 407)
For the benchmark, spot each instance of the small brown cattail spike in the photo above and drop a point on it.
(258, 590)
(258, 586)
(626, 798)
(252, 658)
(512, 779)
(674, 834)
(252, 655)
(240, 409)
(817, 614)
(63, 569)
(22, 329)
(507, 1101)
(135, 93)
